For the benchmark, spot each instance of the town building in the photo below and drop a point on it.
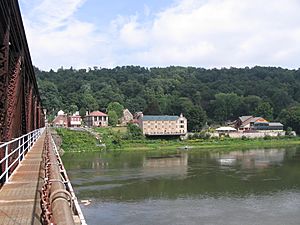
(268, 126)
(74, 121)
(246, 123)
(163, 125)
(61, 120)
(126, 118)
(96, 119)
(254, 124)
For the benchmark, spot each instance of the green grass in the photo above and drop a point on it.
(114, 139)
(122, 130)
(108, 134)
(77, 141)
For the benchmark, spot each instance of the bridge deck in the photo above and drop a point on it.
(19, 197)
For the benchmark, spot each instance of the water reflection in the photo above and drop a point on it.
(207, 186)
(252, 159)
(166, 165)
(140, 175)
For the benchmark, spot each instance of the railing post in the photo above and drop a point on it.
(6, 163)
(19, 147)
(22, 147)
(29, 142)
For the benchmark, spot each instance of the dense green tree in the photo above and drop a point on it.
(117, 107)
(196, 118)
(134, 132)
(135, 104)
(50, 96)
(82, 112)
(177, 105)
(72, 108)
(225, 106)
(223, 94)
(112, 118)
(291, 118)
(152, 108)
(265, 110)
(280, 100)
(250, 103)
(89, 102)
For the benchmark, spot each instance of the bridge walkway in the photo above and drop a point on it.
(20, 197)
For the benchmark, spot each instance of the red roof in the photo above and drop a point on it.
(97, 113)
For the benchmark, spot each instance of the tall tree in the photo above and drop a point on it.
(291, 118)
(225, 106)
(196, 118)
(265, 110)
(50, 96)
(112, 118)
(117, 107)
(152, 108)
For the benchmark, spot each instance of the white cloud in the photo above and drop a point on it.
(56, 38)
(205, 33)
(217, 33)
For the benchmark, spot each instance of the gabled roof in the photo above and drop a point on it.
(251, 119)
(160, 118)
(60, 118)
(97, 113)
(244, 118)
(257, 119)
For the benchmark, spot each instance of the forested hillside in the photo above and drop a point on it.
(203, 95)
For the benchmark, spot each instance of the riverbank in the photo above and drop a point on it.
(77, 141)
(114, 139)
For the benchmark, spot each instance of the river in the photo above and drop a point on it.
(251, 187)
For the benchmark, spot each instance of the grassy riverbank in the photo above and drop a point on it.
(117, 139)
(226, 144)
(77, 141)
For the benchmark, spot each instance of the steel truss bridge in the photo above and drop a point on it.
(20, 104)
(34, 186)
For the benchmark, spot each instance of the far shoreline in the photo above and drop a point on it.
(78, 141)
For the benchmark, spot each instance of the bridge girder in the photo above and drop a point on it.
(20, 103)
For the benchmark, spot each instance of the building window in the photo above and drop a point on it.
(181, 126)
(181, 121)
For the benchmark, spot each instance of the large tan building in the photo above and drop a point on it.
(163, 125)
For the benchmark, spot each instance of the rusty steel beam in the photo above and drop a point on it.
(20, 103)
(4, 69)
(19, 96)
(12, 120)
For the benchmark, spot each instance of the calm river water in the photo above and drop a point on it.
(252, 187)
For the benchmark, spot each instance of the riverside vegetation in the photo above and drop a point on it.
(204, 96)
(123, 139)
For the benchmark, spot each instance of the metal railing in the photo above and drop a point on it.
(58, 201)
(76, 207)
(14, 152)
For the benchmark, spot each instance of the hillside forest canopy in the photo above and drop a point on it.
(204, 96)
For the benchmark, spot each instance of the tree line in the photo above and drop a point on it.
(204, 96)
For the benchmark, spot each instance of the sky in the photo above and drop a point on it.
(161, 33)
